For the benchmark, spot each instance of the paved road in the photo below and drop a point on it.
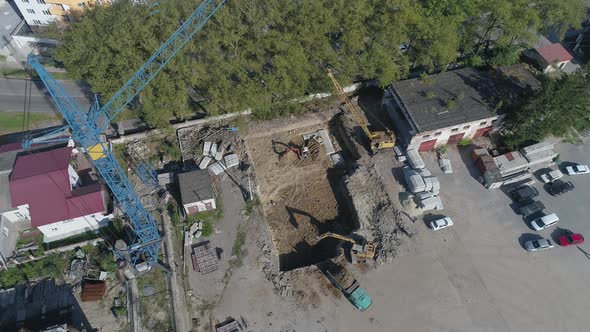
(12, 95)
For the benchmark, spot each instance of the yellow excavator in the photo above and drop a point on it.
(379, 139)
(359, 252)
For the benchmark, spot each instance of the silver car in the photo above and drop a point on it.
(540, 244)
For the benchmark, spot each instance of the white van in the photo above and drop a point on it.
(545, 222)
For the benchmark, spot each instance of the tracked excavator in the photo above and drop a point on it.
(359, 252)
(310, 148)
(379, 139)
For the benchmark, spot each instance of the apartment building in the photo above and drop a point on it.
(42, 12)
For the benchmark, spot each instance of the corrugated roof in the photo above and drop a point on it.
(554, 53)
(195, 186)
(44, 184)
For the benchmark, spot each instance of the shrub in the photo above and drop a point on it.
(207, 228)
(464, 142)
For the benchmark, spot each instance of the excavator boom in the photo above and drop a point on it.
(379, 140)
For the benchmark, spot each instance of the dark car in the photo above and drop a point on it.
(524, 193)
(529, 207)
(559, 187)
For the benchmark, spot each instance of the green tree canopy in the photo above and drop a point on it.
(259, 54)
(559, 109)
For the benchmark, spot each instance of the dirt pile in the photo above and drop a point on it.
(379, 221)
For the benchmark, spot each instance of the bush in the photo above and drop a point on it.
(442, 149)
(464, 142)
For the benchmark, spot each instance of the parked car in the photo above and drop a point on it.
(577, 170)
(547, 221)
(559, 187)
(540, 244)
(570, 239)
(551, 176)
(525, 193)
(529, 207)
(441, 223)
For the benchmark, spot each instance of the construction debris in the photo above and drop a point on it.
(379, 221)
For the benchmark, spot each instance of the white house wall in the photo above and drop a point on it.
(442, 135)
(73, 176)
(64, 229)
(201, 205)
(39, 15)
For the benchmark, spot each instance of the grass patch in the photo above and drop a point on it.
(120, 150)
(207, 229)
(51, 266)
(13, 121)
(251, 206)
(236, 249)
(154, 309)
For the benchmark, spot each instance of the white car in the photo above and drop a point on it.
(577, 170)
(543, 222)
(540, 244)
(441, 223)
(551, 176)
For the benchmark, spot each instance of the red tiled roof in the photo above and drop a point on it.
(42, 181)
(554, 53)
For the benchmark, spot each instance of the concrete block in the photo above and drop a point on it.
(206, 148)
(217, 168)
(231, 160)
(204, 162)
(213, 150)
(415, 159)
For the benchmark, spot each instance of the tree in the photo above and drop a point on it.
(261, 54)
(563, 105)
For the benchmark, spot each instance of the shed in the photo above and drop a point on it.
(196, 191)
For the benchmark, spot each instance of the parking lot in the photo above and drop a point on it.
(506, 287)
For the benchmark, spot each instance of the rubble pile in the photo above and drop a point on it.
(378, 220)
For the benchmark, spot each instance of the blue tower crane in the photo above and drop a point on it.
(87, 128)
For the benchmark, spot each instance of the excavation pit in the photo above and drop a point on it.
(301, 198)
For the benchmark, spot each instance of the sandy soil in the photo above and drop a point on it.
(297, 196)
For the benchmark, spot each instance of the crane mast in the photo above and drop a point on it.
(87, 129)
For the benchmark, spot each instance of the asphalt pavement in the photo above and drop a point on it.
(12, 95)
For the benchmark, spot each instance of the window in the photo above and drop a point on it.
(46, 12)
(483, 123)
(82, 4)
(4, 230)
(36, 22)
(494, 121)
(437, 134)
(40, 1)
(426, 136)
(30, 11)
(465, 128)
(454, 130)
(25, 1)
(19, 215)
